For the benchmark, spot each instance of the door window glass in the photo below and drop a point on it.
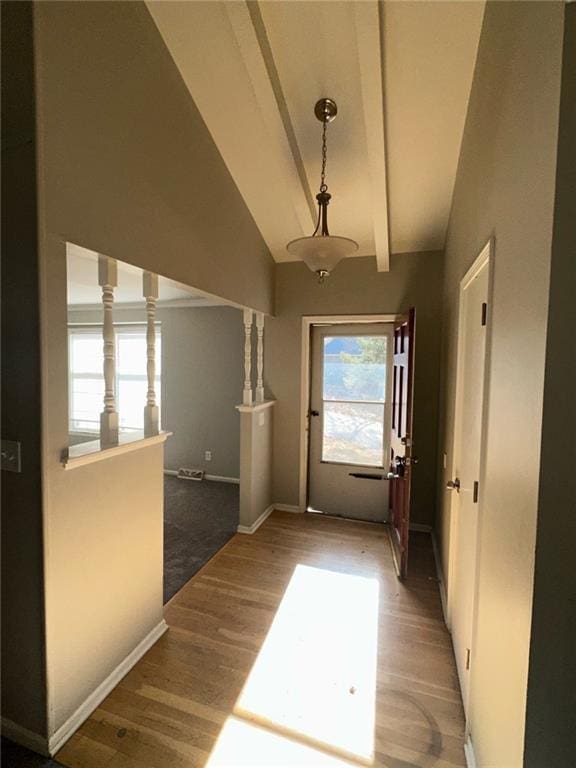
(354, 394)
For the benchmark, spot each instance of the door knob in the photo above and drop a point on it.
(453, 485)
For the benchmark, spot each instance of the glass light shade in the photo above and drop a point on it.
(322, 252)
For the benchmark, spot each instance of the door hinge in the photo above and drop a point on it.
(475, 497)
(484, 312)
(467, 658)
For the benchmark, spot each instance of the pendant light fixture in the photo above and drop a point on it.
(322, 251)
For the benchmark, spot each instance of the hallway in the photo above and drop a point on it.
(296, 643)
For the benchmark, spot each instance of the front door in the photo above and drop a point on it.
(349, 421)
(401, 449)
(464, 485)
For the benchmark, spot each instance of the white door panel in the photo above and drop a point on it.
(349, 421)
(467, 458)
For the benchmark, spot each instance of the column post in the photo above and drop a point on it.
(260, 357)
(108, 280)
(247, 395)
(151, 410)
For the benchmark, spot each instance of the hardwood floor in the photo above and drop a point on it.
(271, 659)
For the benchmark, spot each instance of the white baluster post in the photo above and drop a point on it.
(247, 397)
(108, 280)
(151, 411)
(260, 357)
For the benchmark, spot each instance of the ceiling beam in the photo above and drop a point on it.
(368, 25)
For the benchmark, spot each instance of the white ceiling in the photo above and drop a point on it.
(84, 291)
(400, 73)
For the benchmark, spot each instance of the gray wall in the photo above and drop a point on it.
(202, 376)
(129, 168)
(550, 736)
(23, 677)
(505, 189)
(356, 287)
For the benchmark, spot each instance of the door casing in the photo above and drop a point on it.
(305, 362)
(485, 257)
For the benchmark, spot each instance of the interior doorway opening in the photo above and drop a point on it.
(159, 357)
(349, 420)
(373, 401)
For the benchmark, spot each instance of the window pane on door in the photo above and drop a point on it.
(353, 433)
(353, 395)
(355, 368)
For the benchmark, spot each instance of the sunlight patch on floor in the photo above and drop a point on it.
(315, 677)
(244, 745)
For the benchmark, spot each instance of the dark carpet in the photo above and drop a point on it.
(15, 756)
(199, 518)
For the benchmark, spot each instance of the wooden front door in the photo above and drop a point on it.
(401, 456)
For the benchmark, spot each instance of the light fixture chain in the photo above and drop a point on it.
(323, 186)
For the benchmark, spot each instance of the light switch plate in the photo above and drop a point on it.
(11, 458)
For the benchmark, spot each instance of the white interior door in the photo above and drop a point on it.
(467, 455)
(349, 421)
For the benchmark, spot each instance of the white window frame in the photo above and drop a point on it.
(120, 329)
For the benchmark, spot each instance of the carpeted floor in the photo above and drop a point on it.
(199, 518)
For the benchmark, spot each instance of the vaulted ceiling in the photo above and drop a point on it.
(400, 73)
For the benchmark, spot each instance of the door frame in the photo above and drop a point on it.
(305, 374)
(486, 256)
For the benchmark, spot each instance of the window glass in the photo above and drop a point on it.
(355, 368)
(354, 393)
(86, 390)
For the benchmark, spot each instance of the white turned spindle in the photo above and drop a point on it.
(247, 397)
(260, 357)
(151, 410)
(108, 280)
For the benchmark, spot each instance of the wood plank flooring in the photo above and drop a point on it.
(182, 704)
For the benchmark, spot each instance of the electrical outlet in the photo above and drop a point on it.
(207, 455)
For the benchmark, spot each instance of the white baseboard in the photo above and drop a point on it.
(214, 478)
(420, 528)
(258, 522)
(288, 508)
(61, 736)
(24, 737)
(440, 575)
(469, 753)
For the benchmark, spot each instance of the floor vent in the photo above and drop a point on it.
(190, 474)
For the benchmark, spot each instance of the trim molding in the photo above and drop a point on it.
(88, 453)
(469, 753)
(420, 528)
(440, 575)
(255, 407)
(61, 736)
(258, 522)
(288, 508)
(24, 737)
